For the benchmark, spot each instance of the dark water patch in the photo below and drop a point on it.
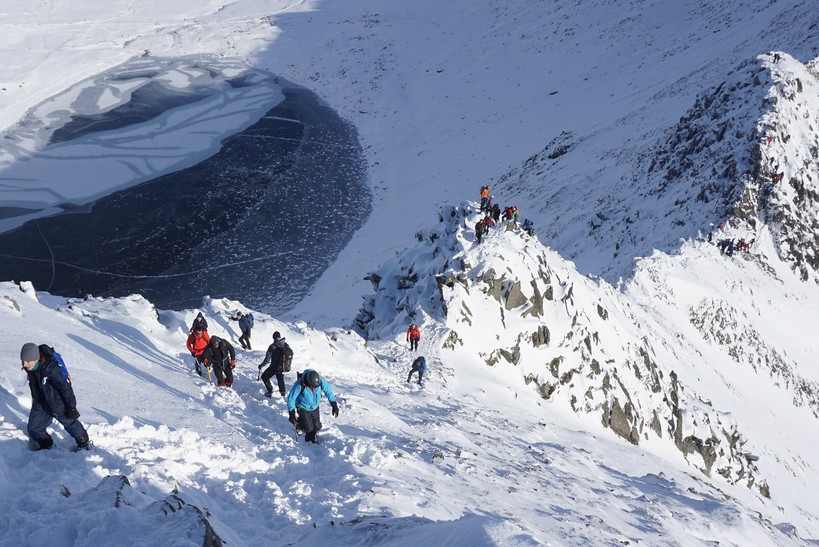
(258, 222)
(135, 75)
(146, 103)
(11, 212)
(241, 81)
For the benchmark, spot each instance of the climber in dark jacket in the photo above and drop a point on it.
(200, 323)
(480, 230)
(52, 397)
(274, 357)
(496, 213)
(220, 355)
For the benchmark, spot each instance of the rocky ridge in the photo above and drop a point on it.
(512, 302)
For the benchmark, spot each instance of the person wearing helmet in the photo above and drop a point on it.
(245, 325)
(220, 355)
(305, 395)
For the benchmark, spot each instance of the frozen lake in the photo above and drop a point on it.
(177, 179)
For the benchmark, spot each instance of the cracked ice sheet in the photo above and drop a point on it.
(83, 169)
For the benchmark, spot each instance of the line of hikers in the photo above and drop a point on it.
(728, 246)
(304, 395)
(52, 394)
(494, 215)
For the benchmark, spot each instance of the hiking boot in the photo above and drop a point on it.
(83, 443)
(85, 446)
(44, 444)
(268, 394)
(228, 384)
(222, 384)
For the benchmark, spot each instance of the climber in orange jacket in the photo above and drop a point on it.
(413, 335)
(198, 341)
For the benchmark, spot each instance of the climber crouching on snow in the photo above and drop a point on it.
(52, 398)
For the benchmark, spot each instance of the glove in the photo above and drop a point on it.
(260, 367)
(233, 363)
(335, 409)
(72, 413)
(293, 417)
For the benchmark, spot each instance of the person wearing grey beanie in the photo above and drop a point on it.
(30, 352)
(52, 397)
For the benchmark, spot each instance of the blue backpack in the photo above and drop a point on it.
(48, 350)
(250, 319)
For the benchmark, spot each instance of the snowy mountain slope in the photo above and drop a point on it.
(510, 300)
(56, 44)
(600, 83)
(742, 346)
(477, 456)
(463, 460)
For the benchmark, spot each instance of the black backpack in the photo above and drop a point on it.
(285, 360)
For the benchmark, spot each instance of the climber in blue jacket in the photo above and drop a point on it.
(305, 395)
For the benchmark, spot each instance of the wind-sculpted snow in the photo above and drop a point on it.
(510, 301)
(130, 124)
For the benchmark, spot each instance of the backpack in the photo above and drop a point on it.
(250, 319)
(285, 358)
(48, 350)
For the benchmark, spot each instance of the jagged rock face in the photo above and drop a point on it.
(747, 152)
(712, 145)
(510, 302)
(788, 176)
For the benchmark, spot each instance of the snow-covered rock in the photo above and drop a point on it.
(509, 301)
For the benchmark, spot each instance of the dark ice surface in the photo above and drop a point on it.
(258, 222)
